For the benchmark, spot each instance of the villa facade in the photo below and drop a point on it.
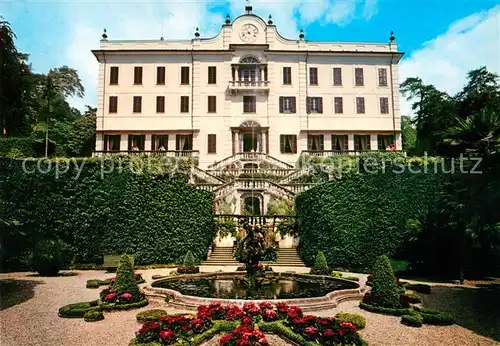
(247, 90)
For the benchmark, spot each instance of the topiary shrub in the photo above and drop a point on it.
(125, 281)
(336, 274)
(93, 315)
(414, 320)
(384, 291)
(320, 265)
(439, 319)
(358, 320)
(77, 310)
(50, 256)
(189, 261)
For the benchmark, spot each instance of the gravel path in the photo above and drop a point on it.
(33, 320)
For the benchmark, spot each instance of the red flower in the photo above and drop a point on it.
(246, 320)
(328, 333)
(226, 339)
(347, 325)
(270, 315)
(251, 308)
(167, 335)
(309, 319)
(282, 307)
(266, 305)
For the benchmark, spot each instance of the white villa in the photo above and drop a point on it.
(247, 96)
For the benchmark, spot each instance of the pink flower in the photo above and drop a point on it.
(347, 325)
(126, 296)
(110, 296)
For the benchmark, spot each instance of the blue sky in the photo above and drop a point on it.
(442, 39)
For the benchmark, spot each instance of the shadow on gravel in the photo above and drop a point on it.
(477, 309)
(13, 292)
(61, 274)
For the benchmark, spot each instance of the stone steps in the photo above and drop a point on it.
(288, 257)
(222, 256)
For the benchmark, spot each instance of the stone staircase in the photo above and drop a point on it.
(221, 256)
(288, 257)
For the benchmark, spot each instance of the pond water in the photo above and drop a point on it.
(269, 288)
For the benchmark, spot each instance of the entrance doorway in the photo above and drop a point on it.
(249, 142)
(251, 206)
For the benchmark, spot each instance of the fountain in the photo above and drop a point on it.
(310, 292)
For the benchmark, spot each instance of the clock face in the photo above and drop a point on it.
(249, 32)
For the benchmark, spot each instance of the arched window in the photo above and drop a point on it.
(250, 123)
(249, 60)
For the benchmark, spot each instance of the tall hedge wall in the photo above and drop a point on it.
(361, 216)
(154, 215)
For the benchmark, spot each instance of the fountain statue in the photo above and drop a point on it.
(253, 248)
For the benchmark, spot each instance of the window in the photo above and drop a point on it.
(138, 75)
(136, 142)
(361, 142)
(314, 105)
(212, 104)
(315, 142)
(339, 142)
(137, 104)
(287, 104)
(160, 104)
(113, 104)
(287, 75)
(212, 75)
(185, 75)
(113, 78)
(313, 75)
(212, 143)
(288, 144)
(184, 104)
(338, 103)
(360, 81)
(112, 142)
(384, 105)
(249, 104)
(160, 75)
(184, 142)
(360, 105)
(385, 141)
(159, 142)
(337, 76)
(382, 77)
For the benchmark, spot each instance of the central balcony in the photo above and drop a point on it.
(248, 77)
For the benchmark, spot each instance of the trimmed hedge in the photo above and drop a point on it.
(154, 215)
(78, 310)
(358, 320)
(387, 311)
(153, 315)
(384, 292)
(93, 316)
(415, 320)
(278, 328)
(413, 298)
(113, 307)
(361, 216)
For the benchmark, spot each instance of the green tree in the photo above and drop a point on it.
(409, 134)
(320, 265)
(125, 281)
(189, 261)
(15, 86)
(384, 291)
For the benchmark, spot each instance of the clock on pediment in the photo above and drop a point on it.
(249, 32)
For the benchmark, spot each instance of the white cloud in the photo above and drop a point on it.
(469, 43)
(370, 9)
(341, 12)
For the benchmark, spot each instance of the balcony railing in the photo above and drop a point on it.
(236, 86)
(345, 152)
(168, 153)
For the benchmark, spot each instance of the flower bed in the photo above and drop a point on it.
(188, 270)
(246, 326)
